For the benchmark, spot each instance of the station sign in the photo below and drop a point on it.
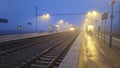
(3, 20)
(19, 27)
(105, 16)
(29, 23)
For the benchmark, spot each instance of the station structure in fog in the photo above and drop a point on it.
(59, 34)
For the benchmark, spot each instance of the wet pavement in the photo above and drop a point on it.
(94, 53)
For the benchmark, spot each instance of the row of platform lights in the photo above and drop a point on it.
(47, 16)
(92, 16)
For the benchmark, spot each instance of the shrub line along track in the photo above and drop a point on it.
(50, 57)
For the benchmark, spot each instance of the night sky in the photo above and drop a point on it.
(21, 12)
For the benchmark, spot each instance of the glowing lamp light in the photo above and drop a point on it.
(71, 29)
(60, 22)
(45, 16)
(86, 20)
(90, 27)
(94, 13)
(89, 13)
(57, 26)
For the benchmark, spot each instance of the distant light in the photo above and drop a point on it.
(94, 13)
(86, 20)
(89, 13)
(90, 27)
(60, 22)
(57, 26)
(45, 16)
(71, 29)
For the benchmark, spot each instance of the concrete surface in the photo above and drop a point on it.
(90, 52)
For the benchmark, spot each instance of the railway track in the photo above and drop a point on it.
(52, 56)
(22, 46)
(56, 42)
(15, 43)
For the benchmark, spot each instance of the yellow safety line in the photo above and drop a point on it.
(80, 64)
(81, 55)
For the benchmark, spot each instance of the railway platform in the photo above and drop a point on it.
(92, 52)
(20, 36)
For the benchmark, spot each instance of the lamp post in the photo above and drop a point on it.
(112, 17)
(102, 26)
(95, 24)
(92, 16)
(105, 16)
(46, 17)
(36, 19)
(104, 30)
(119, 19)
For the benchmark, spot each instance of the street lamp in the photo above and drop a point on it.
(112, 17)
(105, 16)
(89, 13)
(61, 22)
(57, 28)
(45, 16)
(94, 14)
(48, 16)
(92, 17)
(102, 18)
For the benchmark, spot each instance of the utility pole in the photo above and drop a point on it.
(112, 17)
(105, 18)
(36, 19)
(102, 29)
(119, 19)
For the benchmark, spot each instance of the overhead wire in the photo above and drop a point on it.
(82, 13)
(56, 14)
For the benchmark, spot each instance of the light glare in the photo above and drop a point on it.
(71, 29)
